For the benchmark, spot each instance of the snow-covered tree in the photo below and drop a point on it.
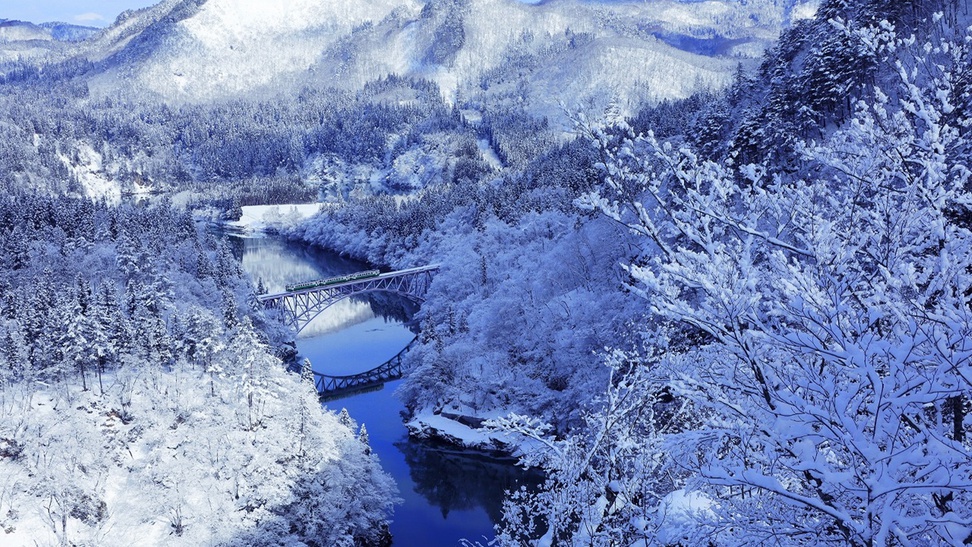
(190, 437)
(824, 318)
(606, 480)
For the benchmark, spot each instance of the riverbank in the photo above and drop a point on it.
(462, 431)
(271, 218)
(449, 493)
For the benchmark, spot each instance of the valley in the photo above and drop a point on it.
(698, 273)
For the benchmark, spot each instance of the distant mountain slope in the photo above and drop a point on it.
(66, 32)
(21, 31)
(493, 51)
(207, 90)
(20, 40)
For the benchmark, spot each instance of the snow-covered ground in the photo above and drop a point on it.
(260, 218)
(239, 45)
(489, 154)
(16, 31)
(448, 428)
(88, 167)
(168, 458)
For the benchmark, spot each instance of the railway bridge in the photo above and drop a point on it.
(299, 307)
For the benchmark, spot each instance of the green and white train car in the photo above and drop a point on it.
(304, 285)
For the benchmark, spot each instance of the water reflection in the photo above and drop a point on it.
(275, 262)
(448, 494)
(461, 480)
(393, 307)
(355, 348)
(710, 47)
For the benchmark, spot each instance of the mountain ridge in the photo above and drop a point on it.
(23, 40)
(199, 51)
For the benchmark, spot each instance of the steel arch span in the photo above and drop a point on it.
(301, 306)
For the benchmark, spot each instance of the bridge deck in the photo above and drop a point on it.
(386, 275)
(300, 307)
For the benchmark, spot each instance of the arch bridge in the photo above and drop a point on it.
(300, 307)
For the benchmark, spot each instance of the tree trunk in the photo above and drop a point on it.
(957, 406)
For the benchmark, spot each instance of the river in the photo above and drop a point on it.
(448, 494)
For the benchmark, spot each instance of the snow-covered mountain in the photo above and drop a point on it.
(581, 52)
(20, 31)
(20, 40)
(512, 68)
(66, 32)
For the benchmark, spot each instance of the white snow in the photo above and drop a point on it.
(489, 154)
(425, 424)
(231, 48)
(88, 168)
(239, 45)
(804, 11)
(21, 31)
(184, 454)
(679, 508)
(260, 218)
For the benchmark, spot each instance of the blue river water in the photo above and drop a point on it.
(448, 495)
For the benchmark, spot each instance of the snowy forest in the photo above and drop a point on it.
(739, 317)
(138, 396)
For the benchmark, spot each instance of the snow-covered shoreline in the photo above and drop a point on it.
(267, 218)
(467, 432)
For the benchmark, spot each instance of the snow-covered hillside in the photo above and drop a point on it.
(16, 31)
(227, 47)
(66, 32)
(547, 52)
(21, 41)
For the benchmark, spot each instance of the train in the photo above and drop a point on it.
(304, 285)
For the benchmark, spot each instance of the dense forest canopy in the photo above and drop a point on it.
(128, 336)
(255, 151)
(786, 272)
